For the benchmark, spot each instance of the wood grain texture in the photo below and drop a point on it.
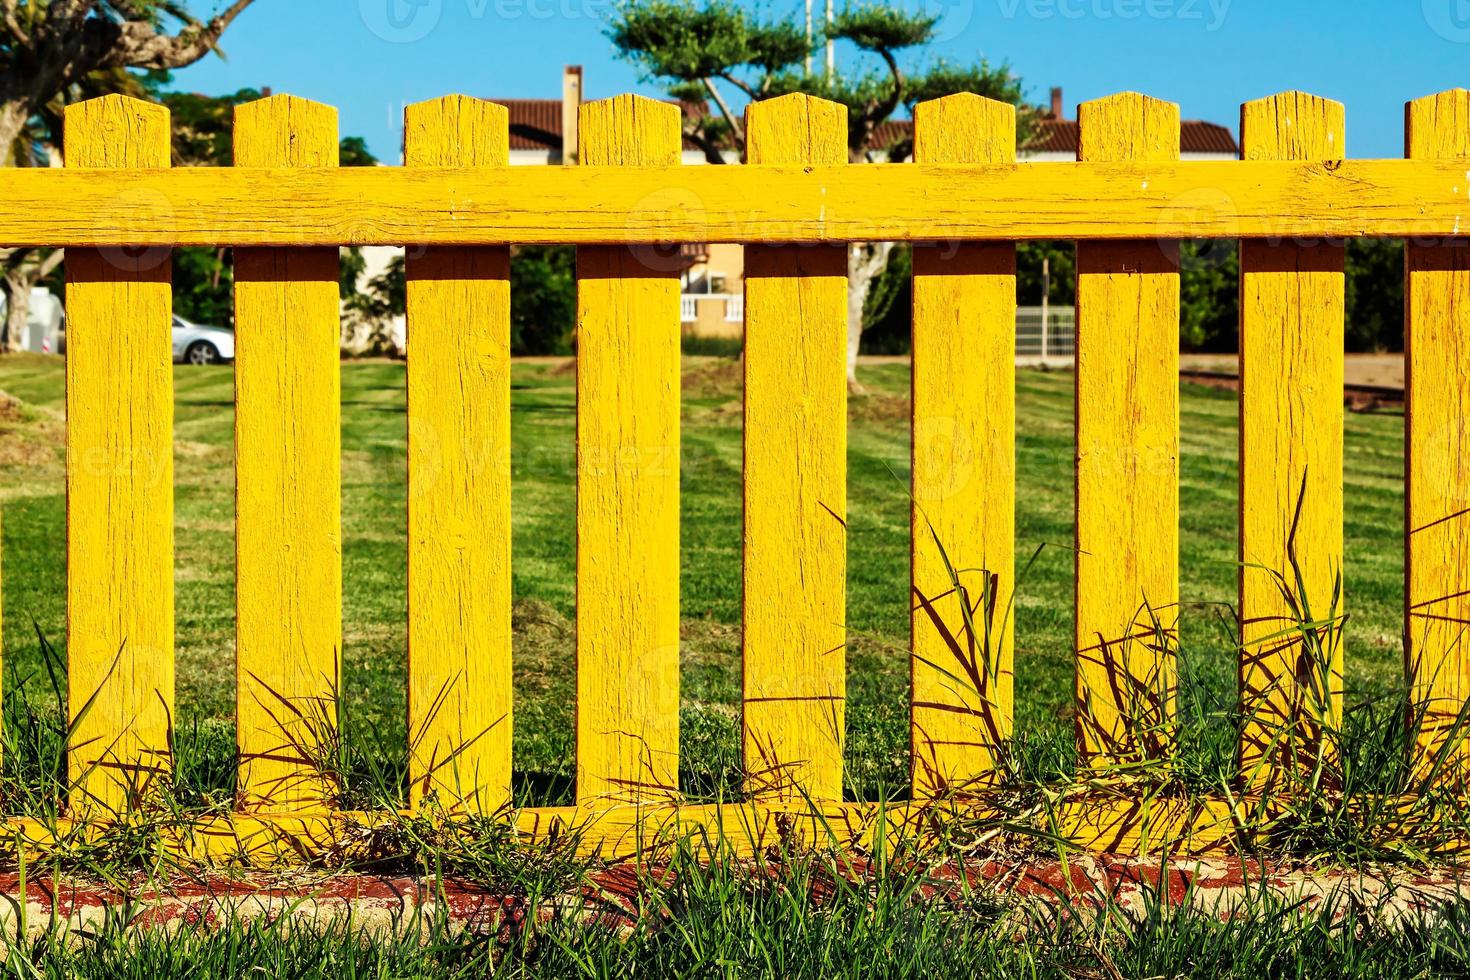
(1291, 418)
(119, 484)
(767, 204)
(1127, 461)
(795, 481)
(1437, 457)
(459, 520)
(964, 473)
(628, 392)
(288, 484)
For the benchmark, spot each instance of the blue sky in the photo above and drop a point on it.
(371, 57)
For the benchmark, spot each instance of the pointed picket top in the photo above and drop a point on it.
(628, 130)
(1128, 126)
(796, 129)
(116, 131)
(456, 131)
(1293, 125)
(964, 128)
(285, 131)
(1438, 126)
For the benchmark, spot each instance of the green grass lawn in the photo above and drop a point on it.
(373, 431)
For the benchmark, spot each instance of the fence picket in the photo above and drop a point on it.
(1127, 419)
(628, 392)
(119, 482)
(459, 526)
(1437, 457)
(288, 483)
(964, 471)
(795, 480)
(1291, 419)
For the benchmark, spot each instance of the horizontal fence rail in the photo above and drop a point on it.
(288, 205)
(755, 203)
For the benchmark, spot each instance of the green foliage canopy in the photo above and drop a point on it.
(695, 48)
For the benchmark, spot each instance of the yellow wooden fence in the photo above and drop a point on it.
(117, 208)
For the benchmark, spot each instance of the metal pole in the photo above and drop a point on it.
(831, 53)
(1045, 300)
(808, 37)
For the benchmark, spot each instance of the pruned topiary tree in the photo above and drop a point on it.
(715, 51)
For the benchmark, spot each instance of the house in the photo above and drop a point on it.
(712, 301)
(1055, 138)
(544, 132)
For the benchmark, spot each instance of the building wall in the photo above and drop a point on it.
(710, 320)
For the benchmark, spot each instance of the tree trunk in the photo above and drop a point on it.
(13, 116)
(23, 269)
(17, 286)
(865, 262)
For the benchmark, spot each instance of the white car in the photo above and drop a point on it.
(195, 343)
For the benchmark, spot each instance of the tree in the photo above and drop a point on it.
(53, 52)
(543, 299)
(203, 136)
(1375, 294)
(698, 51)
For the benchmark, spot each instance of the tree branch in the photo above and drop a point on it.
(13, 27)
(10, 258)
(65, 16)
(895, 98)
(48, 265)
(708, 146)
(140, 45)
(879, 111)
(872, 259)
(735, 127)
(742, 86)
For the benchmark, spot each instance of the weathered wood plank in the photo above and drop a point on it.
(766, 204)
(1127, 461)
(288, 484)
(964, 473)
(627, 485)
(795, 481)
(1291, 416)
(119, 483)
(1437, 459)
(459, 524)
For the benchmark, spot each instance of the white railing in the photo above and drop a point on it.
(734, 306)
(1045, 334)
(1052, 335)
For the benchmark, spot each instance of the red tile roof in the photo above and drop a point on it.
(1060, 136)
(1195, 136)
(535, 124)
